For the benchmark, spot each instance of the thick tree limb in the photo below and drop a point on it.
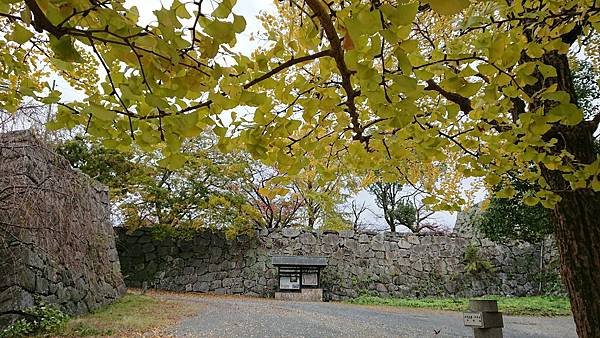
(463, 102)
(41, 22)
(337, 52)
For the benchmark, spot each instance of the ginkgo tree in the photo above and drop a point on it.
(381, 85)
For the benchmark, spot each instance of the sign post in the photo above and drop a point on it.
(484, 318)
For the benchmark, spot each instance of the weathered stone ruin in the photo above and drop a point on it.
(383, 264)
(56, 240)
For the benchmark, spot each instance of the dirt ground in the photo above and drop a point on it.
(231, 316)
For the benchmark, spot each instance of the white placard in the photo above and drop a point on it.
(289, 283)
(310, 279)
(472, 319)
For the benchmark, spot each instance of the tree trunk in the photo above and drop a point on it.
(542, 272)
(577, 221)
(311, 220)
(389, 220)
(577, 216)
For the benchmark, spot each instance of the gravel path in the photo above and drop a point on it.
(230, 316)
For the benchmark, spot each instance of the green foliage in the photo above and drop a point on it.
(405, 212)
(108, 166)
(395, 211)
(40, 319)
(475, 264)
(335, 222)
(20, 328)
(515, 306)
(206, 192)
(508, 219)
(586, 83)
(211, 190)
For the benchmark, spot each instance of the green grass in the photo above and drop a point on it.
(525, 306)
(128, 316)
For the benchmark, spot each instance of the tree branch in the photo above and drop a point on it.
(41, 22)
(337, 52)
(463, 102)
(288, 64)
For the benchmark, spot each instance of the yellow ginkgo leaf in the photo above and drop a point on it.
(448, 7)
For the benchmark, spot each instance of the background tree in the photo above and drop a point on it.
(507, 219)
(111, 167)
(318, 198)
(403, 208)
(276, 205)
(354, 215)
(204, 192)
(388, 198)
(405, 213)
(321, 196)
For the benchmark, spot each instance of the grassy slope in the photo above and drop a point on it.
(131, 315)
(529, 306)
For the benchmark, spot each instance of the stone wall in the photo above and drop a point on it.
(385, 264)
(56, 240)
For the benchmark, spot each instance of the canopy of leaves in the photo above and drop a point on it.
(512, 219)
(380, 84)
(482, 86)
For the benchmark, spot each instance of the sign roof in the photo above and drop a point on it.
(299, 260)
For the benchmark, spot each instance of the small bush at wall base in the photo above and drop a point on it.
(475, 263)
(40, 319)
(19, 328)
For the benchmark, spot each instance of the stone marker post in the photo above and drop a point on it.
(484, 318)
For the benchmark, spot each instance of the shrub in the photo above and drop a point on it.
(474, 263)
(40, 319)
